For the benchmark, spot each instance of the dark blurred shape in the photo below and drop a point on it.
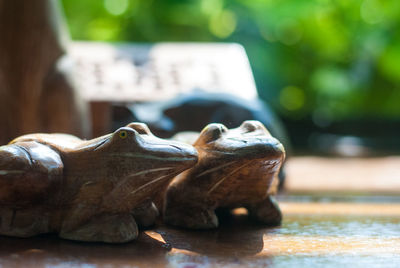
(121, 116)
(359, 137)
(193, 111)
(36, 92)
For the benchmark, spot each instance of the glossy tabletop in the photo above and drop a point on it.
(320, 229)
(314, 233)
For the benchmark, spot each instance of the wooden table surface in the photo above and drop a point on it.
(319, 230)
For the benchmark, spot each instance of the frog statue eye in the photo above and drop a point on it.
(211, 133)
(123, 134)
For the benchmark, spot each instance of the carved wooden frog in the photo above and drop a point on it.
(236, 168)
(93, 190)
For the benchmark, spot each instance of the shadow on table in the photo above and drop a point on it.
(53, 251)
(235, 239)
(237, 236)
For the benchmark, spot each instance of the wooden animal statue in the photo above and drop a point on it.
(87, 190)
(37, 93)
(236, 168)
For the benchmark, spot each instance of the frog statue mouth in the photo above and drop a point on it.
(157, 160)
(250, 148)
(162, 161)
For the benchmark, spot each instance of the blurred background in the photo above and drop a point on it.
(328, 76)
(329, 69)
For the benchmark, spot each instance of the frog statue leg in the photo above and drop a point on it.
(82, 225)
(30, 174)
(267, 211)
(109, 228)
(88, 220)
(145, 214)
(195, 217)
(183, 210)
(23, 222)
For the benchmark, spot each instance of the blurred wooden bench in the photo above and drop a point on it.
(126, 73)
(327, 175)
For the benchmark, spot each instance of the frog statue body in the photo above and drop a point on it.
(95, 190)
(236, 168)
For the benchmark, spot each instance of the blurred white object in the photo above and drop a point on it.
(126, 72)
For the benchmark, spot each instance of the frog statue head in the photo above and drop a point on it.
(95, 190)
(132, 162)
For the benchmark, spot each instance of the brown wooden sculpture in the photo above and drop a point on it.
(236, 168)
(93, 190)
(37, 92)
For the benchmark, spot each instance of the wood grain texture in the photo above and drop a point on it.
(236, 168)
(36, 91)
(87, 190)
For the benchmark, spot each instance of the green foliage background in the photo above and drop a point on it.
(321, 59)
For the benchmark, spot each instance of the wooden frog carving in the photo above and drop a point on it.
(95, 190)
(236, 168)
